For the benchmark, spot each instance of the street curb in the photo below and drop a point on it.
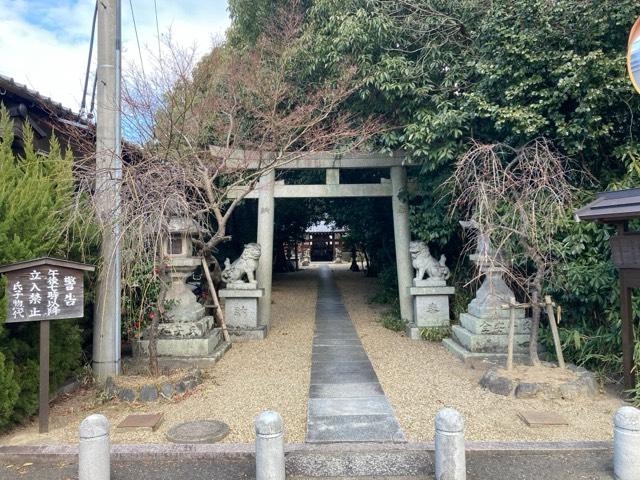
(310, 460)
(234, 451)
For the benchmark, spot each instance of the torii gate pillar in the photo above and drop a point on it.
(266, 206)
(402, 236)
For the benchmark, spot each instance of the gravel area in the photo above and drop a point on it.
(250, 378)
(419, 378)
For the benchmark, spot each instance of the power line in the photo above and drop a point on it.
(83, 104)
(155, 8)
(135, 28)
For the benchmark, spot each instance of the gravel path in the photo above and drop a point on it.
(251, 377)
(419, 378)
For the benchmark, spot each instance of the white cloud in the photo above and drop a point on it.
(45, 43)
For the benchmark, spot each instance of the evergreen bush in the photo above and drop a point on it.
(36, 196)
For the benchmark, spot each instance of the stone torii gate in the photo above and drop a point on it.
(268, 189)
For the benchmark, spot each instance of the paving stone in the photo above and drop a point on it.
(345, 390)
(346, 401)
(330, 342)
(352, 357)
(353, 377)
(338, 350)
(340, 368)
(354, 428)
(330, 407)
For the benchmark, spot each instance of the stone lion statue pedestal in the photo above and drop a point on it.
(430, 295)
(241, 296)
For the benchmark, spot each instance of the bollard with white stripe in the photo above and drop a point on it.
(626, 444)
(94, 449)
(269, 446)
(450, 456)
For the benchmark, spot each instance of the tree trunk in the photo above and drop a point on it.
(535, 325)
(536, 288)
(153, 329)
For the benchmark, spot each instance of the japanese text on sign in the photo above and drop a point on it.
(43, 293)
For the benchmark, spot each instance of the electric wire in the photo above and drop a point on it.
(155, 8)
(83, 104)
(135, 28)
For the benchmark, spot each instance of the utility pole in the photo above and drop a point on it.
(106, 326)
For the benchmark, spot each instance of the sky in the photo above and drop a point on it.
(44, 44)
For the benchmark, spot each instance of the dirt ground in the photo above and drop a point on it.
(418, 377)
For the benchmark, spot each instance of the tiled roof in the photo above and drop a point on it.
(9, 85)
(612, 207)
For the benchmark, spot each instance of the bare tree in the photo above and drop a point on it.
(519, 198)
(177, 108)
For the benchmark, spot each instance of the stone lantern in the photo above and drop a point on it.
(185, 331)
(177, 247)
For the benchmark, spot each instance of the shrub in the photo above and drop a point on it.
(435, 334)
(391, 320)
(36, 195)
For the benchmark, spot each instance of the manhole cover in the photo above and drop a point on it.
(201, 431)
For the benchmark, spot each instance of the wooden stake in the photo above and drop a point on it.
(43, 413)
(216, 303)
(554, 330)
(512, 327)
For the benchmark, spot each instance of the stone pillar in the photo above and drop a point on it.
(269, 447)
(449, 444)
(626, 444)
(266, 206)
(94, 449)
(402, 237)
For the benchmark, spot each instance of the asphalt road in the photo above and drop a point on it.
(583, 465)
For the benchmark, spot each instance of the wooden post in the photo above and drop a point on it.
(627, 333)
(554, 330)
(43, 413)
(216, 302)
(512, 328)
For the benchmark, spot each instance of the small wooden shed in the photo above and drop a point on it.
(618, 208)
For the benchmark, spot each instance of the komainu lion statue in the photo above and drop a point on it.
(245, 265)
(423, 262)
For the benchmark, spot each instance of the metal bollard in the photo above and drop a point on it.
(626, 444)
(450, 456)
(94, 449)
(269, 446)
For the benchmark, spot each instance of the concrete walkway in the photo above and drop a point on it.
(346, 401)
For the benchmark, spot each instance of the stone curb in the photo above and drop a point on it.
(247, 450)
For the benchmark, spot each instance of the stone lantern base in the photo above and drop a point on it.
(195, 341)
(430, 306)
(485, 337)
(241, 312)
